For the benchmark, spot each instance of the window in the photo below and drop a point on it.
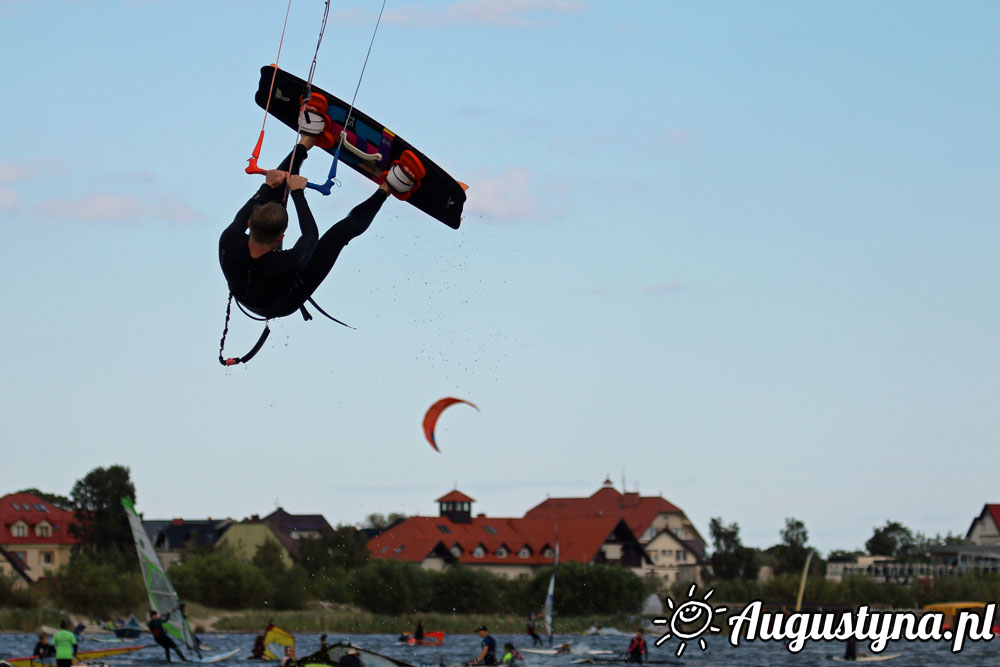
(23, 555)
(19, 529)
(479, 552)
(443, 528)
(549, 553)
(397, 550)
(47, 558)
(525, 552)
(456, 551)
(682, 555)
(490, 529)
(502, 552)
(16, 507)
(43, 530)
(40, 507)
(384, 549)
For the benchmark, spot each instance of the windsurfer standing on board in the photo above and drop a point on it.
(155, 626)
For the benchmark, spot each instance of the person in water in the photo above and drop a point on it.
(65, 644)
(43, 649)
(273, 282)
(851, 648)
(536, 639)
(510, 654)
(323, 644)
(418, 634)
(488, 653)
(637, 648)
(350, 659)
(258, 647)
(160, 635)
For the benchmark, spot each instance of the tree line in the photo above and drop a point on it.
(103, 575)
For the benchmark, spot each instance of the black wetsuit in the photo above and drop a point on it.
(851, 649)
(278, 283)
(349, 660)
(162, 638)
(44, 650)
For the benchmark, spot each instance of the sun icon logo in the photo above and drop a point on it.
(690, 620)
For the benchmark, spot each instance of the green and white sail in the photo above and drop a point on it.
(162, 596)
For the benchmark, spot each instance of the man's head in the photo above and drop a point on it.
(482, 631)
(64, 624)
(268, 223)
(153, 614)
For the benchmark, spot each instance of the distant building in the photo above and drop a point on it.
(675, 547)
(171, 537)
(34, 534)
(980, 552)
(285, 529)
(506, 546)
(291, 529)
(985, 528)
(245, 537)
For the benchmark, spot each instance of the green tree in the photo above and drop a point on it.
(97, 585)
(380, 522)
(890, 540)
(588, 588)
(730, 559)
(391, 587)
(61, 502)
(792, 552)
(463, 590)
(100, 520)
(346, 548)
(220, 579)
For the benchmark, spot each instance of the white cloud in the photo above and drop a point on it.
(507, 197)
(30, 171)
(9, 200)
(105, 207)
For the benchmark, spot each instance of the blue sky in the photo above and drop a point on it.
(740, 254)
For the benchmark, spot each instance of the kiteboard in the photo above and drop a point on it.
(369, 147)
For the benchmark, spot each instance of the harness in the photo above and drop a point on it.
(232, 361)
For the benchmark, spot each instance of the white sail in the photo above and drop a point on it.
(162, 596)
(547, 613)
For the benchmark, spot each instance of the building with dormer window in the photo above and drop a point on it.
(506, 546)
(34, 534)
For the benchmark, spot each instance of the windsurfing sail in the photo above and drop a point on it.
(162, 596)
(278, 643)
(547, 611)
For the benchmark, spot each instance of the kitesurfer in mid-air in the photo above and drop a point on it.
(273, 282)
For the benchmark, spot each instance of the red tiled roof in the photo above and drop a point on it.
(580, 539)
(994, 511)
(638, 511)
(455, 496)
(33, 510)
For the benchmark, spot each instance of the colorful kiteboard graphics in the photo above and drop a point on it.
(369, 147)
